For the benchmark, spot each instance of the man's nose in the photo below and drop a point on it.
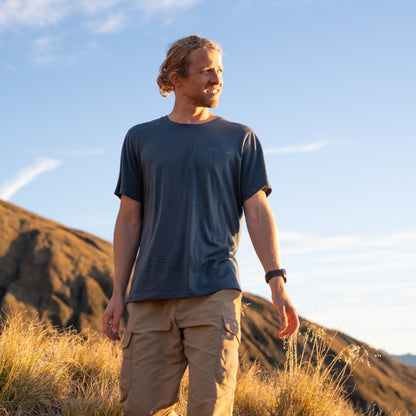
(216, 77)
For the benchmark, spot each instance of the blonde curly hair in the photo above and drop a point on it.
(177, 60)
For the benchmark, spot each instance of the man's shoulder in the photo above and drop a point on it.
(235, 126)
(146, 126)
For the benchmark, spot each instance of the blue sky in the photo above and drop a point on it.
(327, 85)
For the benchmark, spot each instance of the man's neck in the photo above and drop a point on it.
(196, 115)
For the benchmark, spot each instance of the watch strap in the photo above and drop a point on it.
(277, 272)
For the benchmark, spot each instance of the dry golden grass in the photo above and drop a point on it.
(303, 388)
(306, 386)
(311, 384)
(48, 372)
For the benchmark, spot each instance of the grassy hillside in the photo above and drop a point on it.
(66, 277)
(48, 372)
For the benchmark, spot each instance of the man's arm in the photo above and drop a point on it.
(262, 229)
(127, 234)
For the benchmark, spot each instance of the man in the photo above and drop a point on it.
(184, 182)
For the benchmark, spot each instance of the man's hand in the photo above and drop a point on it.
(111, 318)
(288, 315)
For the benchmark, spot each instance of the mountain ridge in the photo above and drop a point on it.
(408, 359)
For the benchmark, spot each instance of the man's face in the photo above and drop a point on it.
(202, 87)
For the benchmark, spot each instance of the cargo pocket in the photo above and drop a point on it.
(227, 364)
(126, 371)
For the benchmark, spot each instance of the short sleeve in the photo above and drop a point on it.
(130, 180)
(253, 170)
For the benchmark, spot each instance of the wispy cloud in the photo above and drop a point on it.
(112, 24)
(349, 254)
(307, 243)
(99, 17)
(304, 148)
(33, 13)
(364, 253)
(43, 49)
(96, 6)
(160, 5)
(27, 175)
(49, 49)
(45, 13)
(339, 255)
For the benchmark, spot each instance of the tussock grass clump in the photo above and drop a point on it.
(48, 372)
(44, 371)
(307, 386)
(30, 379)
(257, 391)
(314, 385)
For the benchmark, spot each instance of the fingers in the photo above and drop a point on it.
(111, 330)
(284, 322)
(290, 322)
(114, 326)
(106, 325)
(288, 330)
(115, 335)
(111, 324)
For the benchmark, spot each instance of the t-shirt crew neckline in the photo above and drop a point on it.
(166, 118)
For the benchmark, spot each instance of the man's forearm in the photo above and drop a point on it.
(126, 244)
(262, 229)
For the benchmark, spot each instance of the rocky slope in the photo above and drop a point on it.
(65, 276)
(47, 268)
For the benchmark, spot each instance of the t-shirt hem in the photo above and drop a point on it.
(164, 296)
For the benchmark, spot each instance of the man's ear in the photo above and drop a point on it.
(175, 79)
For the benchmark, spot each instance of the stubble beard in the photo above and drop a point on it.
(204, 100)
(207, 102)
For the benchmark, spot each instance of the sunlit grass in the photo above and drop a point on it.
(307, 386)
(48, 372)
(312, 382)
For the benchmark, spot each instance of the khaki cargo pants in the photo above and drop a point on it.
(163, 337)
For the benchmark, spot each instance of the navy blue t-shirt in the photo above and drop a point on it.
(192, 180)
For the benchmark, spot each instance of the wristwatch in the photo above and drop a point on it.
(274, 273)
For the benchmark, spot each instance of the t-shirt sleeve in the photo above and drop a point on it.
(130, 180)
(253, 171)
